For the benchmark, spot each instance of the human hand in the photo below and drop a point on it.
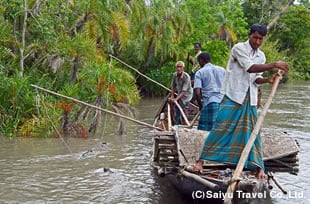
(283, 66)
(274, 76)
(171, 100)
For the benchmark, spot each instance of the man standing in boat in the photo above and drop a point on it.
(194, 61)
(238, 113)
(181, 84)
(207, 86)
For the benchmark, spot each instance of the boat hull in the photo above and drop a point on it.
(195, 192)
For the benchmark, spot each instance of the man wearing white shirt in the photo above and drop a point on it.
(238, 113)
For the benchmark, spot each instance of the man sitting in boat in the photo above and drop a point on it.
(207, 86)
(181, 84)
(238, 113)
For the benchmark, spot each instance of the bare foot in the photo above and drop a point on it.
(198, 168)
(260, 174)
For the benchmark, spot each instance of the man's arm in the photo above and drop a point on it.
(256, 68)
(267, 80)
(173, 98)
(172, 93)
(180, 95)
(198, 97)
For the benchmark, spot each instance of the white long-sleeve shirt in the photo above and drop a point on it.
(237, 80)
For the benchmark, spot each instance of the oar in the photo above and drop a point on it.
(245, 153)
(96, 107)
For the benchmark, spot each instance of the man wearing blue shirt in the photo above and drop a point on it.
(207, 86)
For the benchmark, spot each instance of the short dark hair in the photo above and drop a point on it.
(260, 28)
(197, 43)
(205, 57)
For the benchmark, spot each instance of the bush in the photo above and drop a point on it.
(163, 76)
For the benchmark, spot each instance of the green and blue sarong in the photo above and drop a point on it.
(208, 116)
(230, 134)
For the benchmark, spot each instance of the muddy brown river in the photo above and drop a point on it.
(116, 169)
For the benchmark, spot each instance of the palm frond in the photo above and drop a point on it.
(36, 127)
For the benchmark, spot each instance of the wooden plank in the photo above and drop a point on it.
(276, 144)
(164, 137)
(162, 154)
(166, 133)
(155, 151)
(167, 146)
(162, 106)
(294, 171)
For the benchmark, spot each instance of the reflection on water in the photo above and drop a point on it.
(115, 169)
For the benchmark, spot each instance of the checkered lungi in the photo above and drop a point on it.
(230, 134)
(208, 116)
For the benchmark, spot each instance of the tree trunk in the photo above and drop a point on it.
(97, 117)
(21, 49)
(150, 54)
(284, 10)
(78, 25)
(65, 123)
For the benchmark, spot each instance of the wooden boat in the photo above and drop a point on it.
(176, 149)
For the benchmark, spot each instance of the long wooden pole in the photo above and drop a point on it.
(182, 113)
(169, 117)
(197, 178)
(96, 107)
(148, 78)
(245, 153)
(194, 119)
(141, 73)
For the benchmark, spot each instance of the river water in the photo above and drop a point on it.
(116, 169)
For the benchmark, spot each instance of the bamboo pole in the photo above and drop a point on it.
(169, 117)
(197, 178)
(194, 119)
(163, 105)
(96, 107)
(152, 80)
(141, 73)
(277, 183)
(182, 113)
(156, 120)
(245, 153)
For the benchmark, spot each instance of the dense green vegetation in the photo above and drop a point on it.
(65, 46)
